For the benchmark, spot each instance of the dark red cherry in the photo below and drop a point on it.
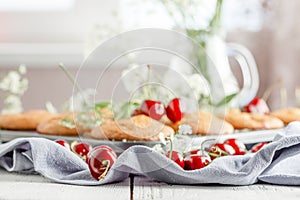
(174, 110)
(239, 147)
(64, 144)
(81, 149)
(258, 146)
(194, 161)
(177, 158)
(100, 160)
(153, 109)
(220, 149)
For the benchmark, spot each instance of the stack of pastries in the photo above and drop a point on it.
(143, 128)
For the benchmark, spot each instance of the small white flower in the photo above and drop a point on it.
(78, 101)
(158, 148)
(185, 129)
(50, 107)
(22, 69)
(198, 84)
(162, 138)
(13, 105)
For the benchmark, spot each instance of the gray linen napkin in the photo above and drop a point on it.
(277, 163)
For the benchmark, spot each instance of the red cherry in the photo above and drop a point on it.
(108, 148)
(174, 111)
(177, 158)
(194, 161)
(63, 143)
(196, 152)
(258, 146)
(104, 147)
(100, 161)
(153, 109)
(137, 112)
(239, 147)
(81, 149)
(257, 106)
(220, 149)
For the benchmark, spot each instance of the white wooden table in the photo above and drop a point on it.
(19, 186)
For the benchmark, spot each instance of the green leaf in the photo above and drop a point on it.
(125, 110)
(102, 104)
(226, 100)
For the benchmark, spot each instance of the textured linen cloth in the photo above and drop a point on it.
(276, 163)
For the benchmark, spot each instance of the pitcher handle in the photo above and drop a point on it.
(249, 70)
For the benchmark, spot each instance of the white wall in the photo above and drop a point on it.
(44, 38)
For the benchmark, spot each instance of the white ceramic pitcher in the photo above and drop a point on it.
(218, 51)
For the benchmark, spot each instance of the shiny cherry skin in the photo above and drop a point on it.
(257, 106)
(100, 160)
(176, 157)
(196, 152)
(239, 147)
(194, 161)
(258, 147)
(81, 149)
(104, 147)
(63, 143)
(153, 109)
(174, 110)
(108, 148)
(220, 149)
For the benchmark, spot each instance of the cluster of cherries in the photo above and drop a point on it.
(99, 159)
(199, 158)
(156, 109)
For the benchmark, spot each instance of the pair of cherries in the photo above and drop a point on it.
(99, 159)
(156, 109)
(192, 161)
(198, 158)
(233, 147)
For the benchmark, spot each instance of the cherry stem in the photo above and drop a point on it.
(73, 145)
(218, 149)
(171, 149)
(207, 140)
(107, 163)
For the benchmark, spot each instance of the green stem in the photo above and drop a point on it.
(215, 23)
(72, 79)
(171, 149)
(69, 75)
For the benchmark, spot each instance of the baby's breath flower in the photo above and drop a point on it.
(14, 86)
(50, 107)
(22, 69)
(13, 104)
(158, 148)
(67, 122)
(185, 129)
(162, 138)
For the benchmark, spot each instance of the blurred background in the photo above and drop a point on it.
(43, 33)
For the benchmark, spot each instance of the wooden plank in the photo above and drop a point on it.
(20, 186)
(149, 189)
